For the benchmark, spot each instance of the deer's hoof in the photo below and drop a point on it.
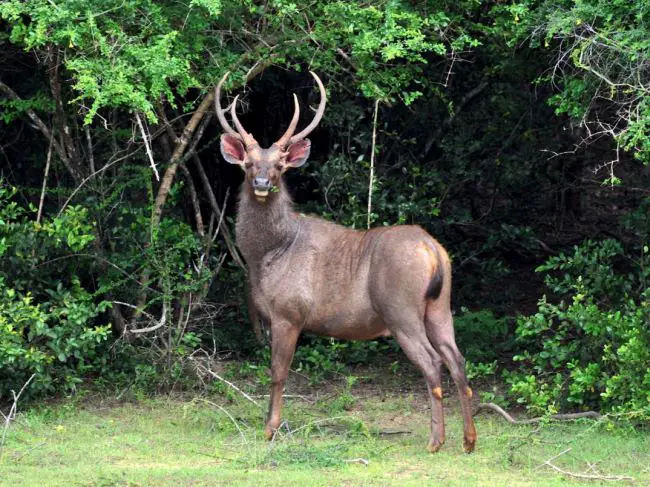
(434, 446)
(469, 444)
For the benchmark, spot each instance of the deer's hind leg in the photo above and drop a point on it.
(413, 341)
(440, 330)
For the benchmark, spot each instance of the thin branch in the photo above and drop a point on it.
(230, 241)
(40, 125)
(88, 178)
(203, 369)
(44, 187)
(91, 154)
(147, 146)
(372, 160)
(12, 411)
(583, 476)
(159, 324)
(200, 227)
(227, 414)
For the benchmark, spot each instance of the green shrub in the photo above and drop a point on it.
(592, 349)
(47, 318)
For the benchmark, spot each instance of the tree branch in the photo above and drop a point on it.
(558, 417)
(184, 140)
(44, 130)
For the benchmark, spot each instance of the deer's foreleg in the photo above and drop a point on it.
(284, 336)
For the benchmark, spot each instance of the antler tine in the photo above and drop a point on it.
(217, 106)
(284, 140)
(247, 138)
(319, 113)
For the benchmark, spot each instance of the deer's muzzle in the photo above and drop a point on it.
(261, 186)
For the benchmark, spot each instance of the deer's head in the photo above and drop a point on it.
(264, 167)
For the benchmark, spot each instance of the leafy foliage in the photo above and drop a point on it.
(46, 323)
(592, 350)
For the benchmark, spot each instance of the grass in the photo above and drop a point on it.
(96, 441)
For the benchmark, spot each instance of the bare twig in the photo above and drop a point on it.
(91, 155)
(203, 369)
(583, 476)
(230, 241)
(44, 187)
(60, 150)
(558, 417)
(185, 139)
(85, 180)
(394, 432)
(372, 159)
(8, 418)
(553, 458)
(194, 198)
(159, 324)
(147, 146)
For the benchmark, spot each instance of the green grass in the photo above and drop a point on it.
(96, 442)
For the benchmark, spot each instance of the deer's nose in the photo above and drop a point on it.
(262, 183)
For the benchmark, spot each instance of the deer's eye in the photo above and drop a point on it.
(279, 167)
(248, 165)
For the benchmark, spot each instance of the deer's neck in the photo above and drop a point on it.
(264, 227)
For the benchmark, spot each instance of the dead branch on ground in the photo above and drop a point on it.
(558, 417)
(202, 370)
(583, 476)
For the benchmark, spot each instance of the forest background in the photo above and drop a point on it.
(517, 133)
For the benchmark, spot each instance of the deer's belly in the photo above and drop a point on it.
(349, 326)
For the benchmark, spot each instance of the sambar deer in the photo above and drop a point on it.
(308, 274)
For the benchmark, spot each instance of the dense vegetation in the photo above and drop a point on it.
(517, 133)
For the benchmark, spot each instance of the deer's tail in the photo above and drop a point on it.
(437, 279)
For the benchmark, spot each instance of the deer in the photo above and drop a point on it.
(306, 274)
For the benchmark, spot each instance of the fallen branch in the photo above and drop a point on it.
(202, 369)
(394, 432)
(583, 476)
(558, 417)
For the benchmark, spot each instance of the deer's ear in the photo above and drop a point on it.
(232, 149)
(298, 153)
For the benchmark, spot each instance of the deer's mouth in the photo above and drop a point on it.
(261, 193)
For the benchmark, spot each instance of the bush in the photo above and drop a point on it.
(592, 349)
(46, 320)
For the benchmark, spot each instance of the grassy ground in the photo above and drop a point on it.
(359, 435)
